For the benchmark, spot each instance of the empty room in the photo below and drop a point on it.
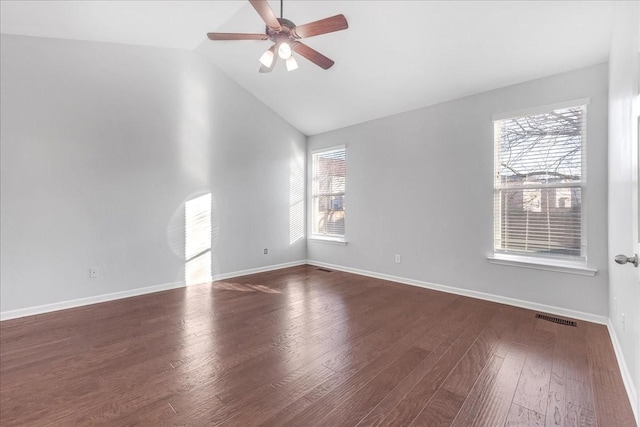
(319, 213)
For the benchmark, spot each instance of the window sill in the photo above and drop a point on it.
(330, 240)
(542, 264)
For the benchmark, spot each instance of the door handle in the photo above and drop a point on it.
(623, 259)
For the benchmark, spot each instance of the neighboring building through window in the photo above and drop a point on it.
(328, 193)
(539, 184)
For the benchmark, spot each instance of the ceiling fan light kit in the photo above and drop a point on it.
(292, 64)
(267, 58)
(285, 34)
(284, 50)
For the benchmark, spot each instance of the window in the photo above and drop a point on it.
(539, 184)
(328, 193)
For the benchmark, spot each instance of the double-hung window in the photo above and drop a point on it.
(539, 184)
(328, 193)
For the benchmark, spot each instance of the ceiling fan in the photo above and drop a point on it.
(285, 35)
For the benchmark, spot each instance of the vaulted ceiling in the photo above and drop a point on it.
(396, 55)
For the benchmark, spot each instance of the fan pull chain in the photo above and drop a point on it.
(281, 7)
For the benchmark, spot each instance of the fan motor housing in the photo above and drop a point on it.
(287, 26)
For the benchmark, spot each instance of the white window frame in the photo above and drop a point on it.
(564, 264)
(314, 236)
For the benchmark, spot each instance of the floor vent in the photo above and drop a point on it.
(556, 320)
(324, 269)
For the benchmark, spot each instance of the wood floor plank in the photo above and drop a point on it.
(580, 409)
(227, 394)
(532, 391)
(490, 399)
(269, 402)
(438, 341)
(300, 346)
(350, 380)
(391, 400)
(577, 366)
(467, 411)
(315, 403)
(236, 381)
(442, 410)
(483, 402)
(352, 410)
(556, 412)
(523, 417)
(413, 403)
(463, 377)
(612, 408)
(375, 336)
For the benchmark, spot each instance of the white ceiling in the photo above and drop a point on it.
(396, 55)
(173, 24)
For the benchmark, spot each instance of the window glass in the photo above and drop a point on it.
(328, 192)
(539, 184)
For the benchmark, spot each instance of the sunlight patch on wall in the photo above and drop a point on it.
(197, 240)
(296, 198)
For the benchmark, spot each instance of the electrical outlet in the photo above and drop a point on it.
(398, 259)
(93, 272)
(266, 251)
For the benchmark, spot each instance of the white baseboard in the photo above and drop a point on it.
(624, 371)
(29, 311)
(473, 294)
(225, 276)
(62, 305)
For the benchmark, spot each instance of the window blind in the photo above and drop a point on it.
(538, 187)
(328, 192)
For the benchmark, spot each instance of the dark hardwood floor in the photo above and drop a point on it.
(304, 347)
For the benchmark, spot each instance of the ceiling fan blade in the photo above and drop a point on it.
(265, 12)
(312, 55)
(236, 36)
(323, 26)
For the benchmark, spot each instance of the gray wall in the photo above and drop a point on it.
(102, 144)
(420, 184)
